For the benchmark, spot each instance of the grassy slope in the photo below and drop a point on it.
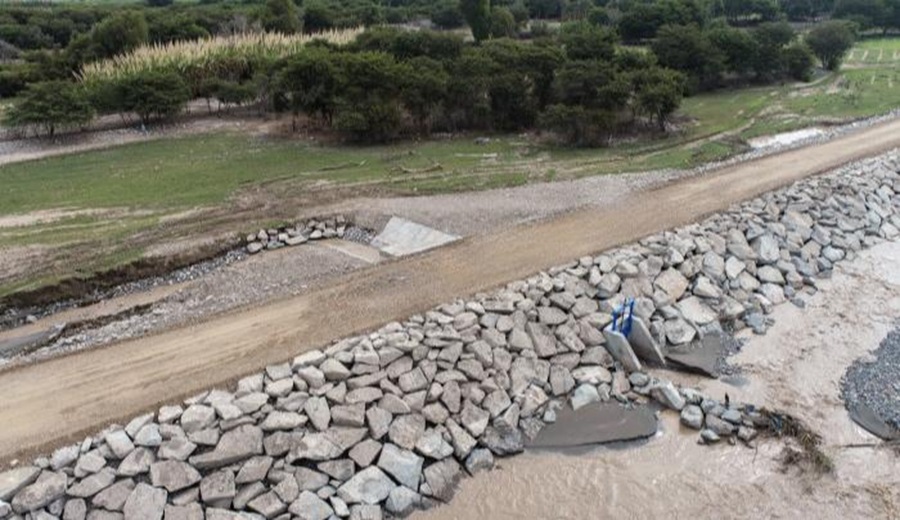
(171, 175)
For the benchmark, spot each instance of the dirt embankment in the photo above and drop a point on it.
(65, 397)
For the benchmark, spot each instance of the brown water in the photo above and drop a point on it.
(796, 367)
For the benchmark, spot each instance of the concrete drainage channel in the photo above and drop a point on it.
(384, 423)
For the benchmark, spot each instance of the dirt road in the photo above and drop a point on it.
(64, 398)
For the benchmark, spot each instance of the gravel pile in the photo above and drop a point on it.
(381, 424)
(300, 233)
(875, 381)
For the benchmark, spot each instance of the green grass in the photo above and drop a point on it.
(167, 176)
(874, 51)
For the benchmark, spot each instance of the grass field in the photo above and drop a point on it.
(148, 183)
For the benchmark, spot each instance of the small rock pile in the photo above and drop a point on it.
(314, 229)
(384, 423)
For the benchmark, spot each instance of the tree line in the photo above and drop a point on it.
(579, 83)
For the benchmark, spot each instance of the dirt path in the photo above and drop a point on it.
(47, 403)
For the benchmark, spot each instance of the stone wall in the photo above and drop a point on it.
(378, 425)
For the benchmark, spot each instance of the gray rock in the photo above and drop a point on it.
(708, 436)
(14, 480)
(145, 503)
(584, 395)
(405, 466)
(310, 480)
(310, 507)
(365, 452)
(341, 469)
(766, 249)
(316, 447)
(503, 441)
(551, 316)
(218, 486)
(254, 469)
(692, 416)
(235, 446)
(197, 417)
(369, 486)
(76, 509)
(173, 475)
(694, 310)
(402, 501)
(268, 505)
(334, 370)
(114, 497)
(90, 462)
(432, 444)
(93, 484)
(213, 513)
(413, 381)
(277, 420)
(460, 438)
(318, 412)
(64, 457)
(406, 430)
(119, 443)
(475, 419)
(140, 460)
(479, 460)
(442, 478)
(188, 512)
(666, 393)
(48, 487)
(718, 426)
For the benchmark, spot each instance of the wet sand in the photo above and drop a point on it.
(796, 367)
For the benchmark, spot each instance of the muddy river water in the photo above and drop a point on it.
(796, 367)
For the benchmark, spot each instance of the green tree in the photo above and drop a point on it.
(119, 33)
(154, 95)
(478, 15)
(687, 49)
(281, 16)
(503, 23)
(771, 39)
(318, 16)
(159, 3)
(370, 102)
(311, 81)
(657, 93)
(579, 125)
(830, 41)
(738, 46)
(799, 61)
(50, 105)
(446, 15)
(424, 90)
(866, 13)
(584, 41)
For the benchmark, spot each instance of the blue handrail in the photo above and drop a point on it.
(626, 311)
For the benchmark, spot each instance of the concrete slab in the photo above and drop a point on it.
(597, 423)
(619, 348)
(643, 344)
(700, 357)
(401, 237)
(366, 253)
